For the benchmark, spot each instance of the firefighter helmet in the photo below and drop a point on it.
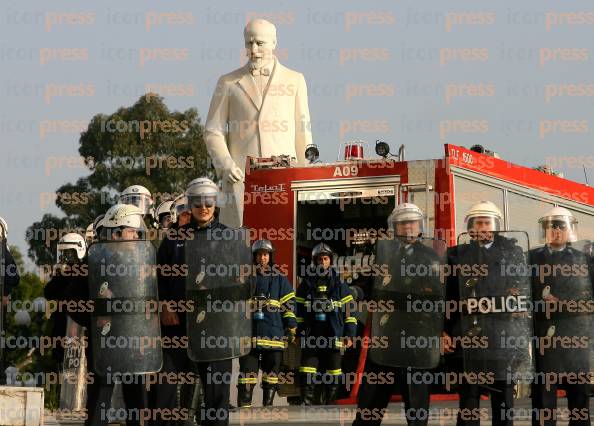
(484, 209)
(560, 218)
(320, 250)
(265, 245)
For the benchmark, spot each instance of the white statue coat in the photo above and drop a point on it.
(242, 123)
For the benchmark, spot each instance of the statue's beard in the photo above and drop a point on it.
(257, 62)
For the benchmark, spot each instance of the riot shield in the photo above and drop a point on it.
(125, 330)
(73, 392)
(219, 326)
(564, 309)
(409, 298)
(495, 305)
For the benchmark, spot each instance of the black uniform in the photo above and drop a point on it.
(575, 285)
(10, 271)
(277, 315)
(322, 339)
(374, 395)
(500, 252)
(215, 376)
(100, 389)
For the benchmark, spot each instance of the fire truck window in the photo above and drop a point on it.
(468, 192)
(585, 225)
(524, 213)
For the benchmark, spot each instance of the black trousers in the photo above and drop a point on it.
(545, 401)
(215, 378)
(502, 402)
(376, 391)
(99, 402)
(268, 360)
(314, 361)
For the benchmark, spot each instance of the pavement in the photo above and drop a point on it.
(441, 413)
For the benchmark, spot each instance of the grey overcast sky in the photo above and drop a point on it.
(422, 73)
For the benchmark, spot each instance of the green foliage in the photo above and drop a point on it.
(145, 144)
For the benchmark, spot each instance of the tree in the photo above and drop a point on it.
(145, 144)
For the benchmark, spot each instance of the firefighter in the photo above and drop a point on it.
(273, 319)
(482, 220)
(558, 230)
(202, 196)
(325, 327)
(407, 222)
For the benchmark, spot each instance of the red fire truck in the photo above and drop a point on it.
(347, 203)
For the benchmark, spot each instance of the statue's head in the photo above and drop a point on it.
(260, 42)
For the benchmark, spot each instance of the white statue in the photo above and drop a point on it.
(259, 110)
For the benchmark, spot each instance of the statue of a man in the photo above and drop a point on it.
(259, 110)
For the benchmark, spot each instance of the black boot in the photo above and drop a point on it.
(307, 393)
(320, 395)
(244, 395)
(268, 395)
(331, 394)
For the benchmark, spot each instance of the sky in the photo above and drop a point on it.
(513, 76)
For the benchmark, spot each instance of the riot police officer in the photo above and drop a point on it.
(273, 319)
(556, 364)
(325, 327)
(163, 214)
(394, 361)
(120, 223)
(215, 376)
(70, 258)
(474, 340)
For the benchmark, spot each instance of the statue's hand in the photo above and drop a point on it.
(234, 174)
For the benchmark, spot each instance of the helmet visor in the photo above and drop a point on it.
(197, 202)
(558, 230)
(142, 201)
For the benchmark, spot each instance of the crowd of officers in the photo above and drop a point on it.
(285, 315)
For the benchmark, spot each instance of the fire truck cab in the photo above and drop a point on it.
(346, 204)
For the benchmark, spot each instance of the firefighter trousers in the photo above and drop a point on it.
(377, 389)
(268, 360)
(215, 377)
(314, 361)
(544, 404)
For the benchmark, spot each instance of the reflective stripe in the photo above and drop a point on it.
(334, 372)
(346, 299)
(308, 370)
(274, 303)
(271, 343)
(246, 406)
(322, 288)
(287, 297)
(270, 379)
(289, 315)
(350, 320)
(299, 319)
(299, 300)
(336, 304)
(338, 343)
(248, 380)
